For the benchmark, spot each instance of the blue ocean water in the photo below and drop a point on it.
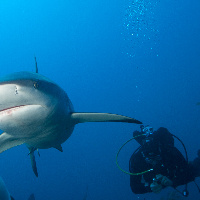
(132, 57)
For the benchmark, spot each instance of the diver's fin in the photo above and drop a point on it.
(7, 141)
(33, 162)
(101, 117)
(59, 148)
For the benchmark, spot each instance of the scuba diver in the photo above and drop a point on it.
(157, 163)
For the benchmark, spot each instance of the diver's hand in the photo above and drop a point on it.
(155, 187)
(159, 182)
(164, 180)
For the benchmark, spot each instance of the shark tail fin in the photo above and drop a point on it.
(101, 117)
(7, 141)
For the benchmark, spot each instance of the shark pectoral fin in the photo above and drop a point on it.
(7, 141)
(101, 117)
(59, 148)
(33, 162)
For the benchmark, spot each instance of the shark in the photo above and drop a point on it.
(37, 112)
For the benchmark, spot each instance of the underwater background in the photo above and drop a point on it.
(139, 58)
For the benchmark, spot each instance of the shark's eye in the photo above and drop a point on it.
(35, 85)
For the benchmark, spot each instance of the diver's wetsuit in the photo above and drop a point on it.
(159, 154)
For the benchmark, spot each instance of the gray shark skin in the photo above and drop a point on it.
(37, 112)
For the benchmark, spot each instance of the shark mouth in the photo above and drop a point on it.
(9, 111)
